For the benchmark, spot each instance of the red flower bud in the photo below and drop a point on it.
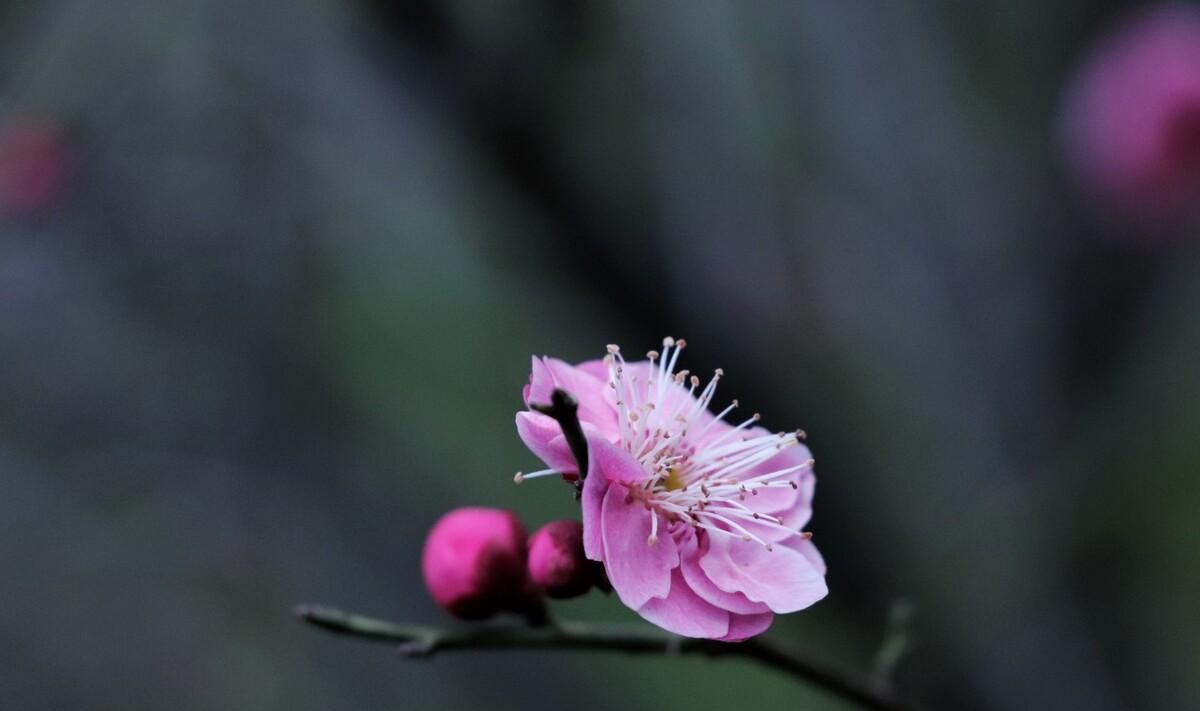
(474, 564)
(557, 564)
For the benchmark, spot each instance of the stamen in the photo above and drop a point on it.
(702, 484)
(519, 477)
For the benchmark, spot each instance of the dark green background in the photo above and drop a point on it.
(278, 320)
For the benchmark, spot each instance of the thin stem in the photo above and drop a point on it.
(423, 642)
(897, 640)
(564, 408)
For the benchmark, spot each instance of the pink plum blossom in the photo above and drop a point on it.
(474, 563)
(1131, 118)
(698, 522)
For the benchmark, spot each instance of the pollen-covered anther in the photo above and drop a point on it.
(613, 348)
(518, 478)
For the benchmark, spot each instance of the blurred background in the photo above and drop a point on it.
(271, 275)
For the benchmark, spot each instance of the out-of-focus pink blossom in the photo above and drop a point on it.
(32, 163)
(1131, 118)
(474, 563)
(697, 521)
(557, 564)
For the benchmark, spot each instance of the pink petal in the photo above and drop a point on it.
(595, 486)
(793, 519)
(808, 550)
(596, 368)
(782, 578)
(590, 391)
(637, 570)
(544, 438)
(541, 383)
(606, 463)
(743, 627)
(613, 462)
(697, 579)
(774, 500)
(685, 613)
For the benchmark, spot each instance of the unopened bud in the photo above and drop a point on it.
(474, 563)
(557, 564)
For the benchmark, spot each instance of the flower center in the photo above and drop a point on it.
(699, 470)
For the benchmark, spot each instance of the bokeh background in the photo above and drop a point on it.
(271, 274)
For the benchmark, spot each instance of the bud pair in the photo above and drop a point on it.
(477, 562)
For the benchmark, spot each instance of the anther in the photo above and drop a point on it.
(518, 478)
(806, 535)
(613, 348)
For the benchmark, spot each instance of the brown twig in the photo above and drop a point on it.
(564, 408)
(423, 642)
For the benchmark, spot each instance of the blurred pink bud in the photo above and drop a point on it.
(1131, 118)
(474, 563)
(32, 163)
(557, 563)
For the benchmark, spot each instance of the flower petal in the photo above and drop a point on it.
(775, 500)
(587, 389)
(637, 570)
(743, 627)
(596, 368)
(697, 579)
(793, 519)
(544, 438)
(595, 486)
(685, 613)
(606, 464)
(782, 578)
(808, 550)
(614, 463)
